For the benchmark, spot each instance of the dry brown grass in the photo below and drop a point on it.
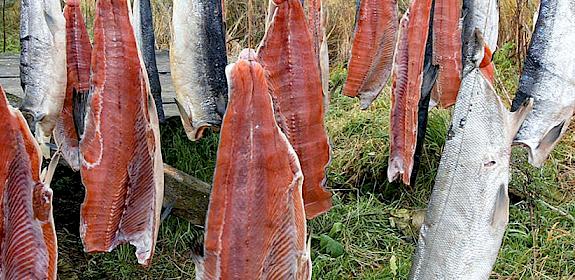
(515, 24)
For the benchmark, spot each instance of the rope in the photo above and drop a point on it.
(4, 24)
(250, 16)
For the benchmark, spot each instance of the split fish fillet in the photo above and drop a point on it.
(549, 78)
(42, 64)
(143, 22)
(287, 55)
(198, 60)
(374, 40)
(120, 149)
(429, 78)
(447, 51)
(317, 28)
(70, 124)
(256, 227)
(468, 209)
(406, 89)
(28, 247)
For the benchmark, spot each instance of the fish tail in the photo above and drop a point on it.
(193, 133)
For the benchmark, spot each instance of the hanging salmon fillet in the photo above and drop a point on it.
(120, 149)
(406, 90)
(287, 54)
(256, 226)
(316, 22)
(70, 124)
(28, 248)
(371, 58)
(447, 51)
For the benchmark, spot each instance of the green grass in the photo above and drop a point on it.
(10, 26)
(371, 231)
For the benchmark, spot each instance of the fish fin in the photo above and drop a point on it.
(538, 154)
(48, 173)
(44, 143)
(190, 131)
(500, 215)
(516, 118)
(552, 135)
(479, 52)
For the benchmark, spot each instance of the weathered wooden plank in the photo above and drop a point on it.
(186, 195)
(10, 71)
(12, 86)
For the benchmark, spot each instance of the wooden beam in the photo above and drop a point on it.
(186, 195)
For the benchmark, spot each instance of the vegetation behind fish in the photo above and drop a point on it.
(370, 233)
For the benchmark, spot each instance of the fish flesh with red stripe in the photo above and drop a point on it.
(406, 89)
(120, 148)
(447, 51)
(316, 23)
(374, 41)
(288, 56)
(70, 124)
(256, 226)
(28, 248)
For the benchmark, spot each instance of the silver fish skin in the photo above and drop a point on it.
(42, 64)
(198, 60)
(482, 15)
(469, 207)
(549, 78)
(143, 23)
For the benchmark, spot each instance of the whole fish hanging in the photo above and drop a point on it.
(70, 124)
(120, 148)
(28, 247)
(374, 41)
(287, 54)
(42, 64)
(406, 89)
(197, 64)
(256, 227)
(468, 210)
(549, 78)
